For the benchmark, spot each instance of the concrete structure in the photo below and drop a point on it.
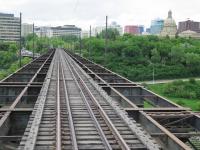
(132, 29)
(27, 29)
(189, 25)
(189, 34)
(169, 28)
(66, 30)
(9, 27)
(156, 26)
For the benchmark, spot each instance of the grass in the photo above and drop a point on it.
(194, 104)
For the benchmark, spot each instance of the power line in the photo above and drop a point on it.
(76, 5)
(20, 42)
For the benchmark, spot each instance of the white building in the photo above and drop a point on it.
(85, 34)
(43, 31)
(170, 27)
(113, 25)
(58, 31)
(66, 30)
(27, 29)
(9, 27)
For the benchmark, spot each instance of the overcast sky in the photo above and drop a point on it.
(84, 13)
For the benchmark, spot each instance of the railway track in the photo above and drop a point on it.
(73, 113)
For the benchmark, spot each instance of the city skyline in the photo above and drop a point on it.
(88, 12)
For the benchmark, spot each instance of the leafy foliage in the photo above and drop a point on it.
(134, 56)
(193, 103)
(183, 89)
(111, 34)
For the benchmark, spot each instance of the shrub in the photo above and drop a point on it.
(192, 80)
(198, 106)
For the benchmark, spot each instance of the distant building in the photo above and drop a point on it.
(169, 28)
(58, 31)
(156, 26)
(97, 30)
(66, 30)
(43, 31)
(27, 29)
(189, 34)
(132, 29)
(145, 33)
(116, 26)
(9, 27)
(141, 28)
(148, 30)
(85, 34)
(113, 25)
(189, 25)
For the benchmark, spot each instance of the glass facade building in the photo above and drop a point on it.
(156, 26)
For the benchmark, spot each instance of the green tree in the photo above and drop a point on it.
(111, 33)
(155, 56)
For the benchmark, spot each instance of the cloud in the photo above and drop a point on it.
(92, 12)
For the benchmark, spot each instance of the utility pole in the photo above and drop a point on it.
(80, 40)
(20, 41)
(90, 43)
(153, 74)
(106, 39)
(33, 41)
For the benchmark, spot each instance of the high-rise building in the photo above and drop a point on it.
(156, 26)
(113, 25)
(27, 29)
(9, 27)
(169, 28)
(189, 25)
(132, 29)
(66, 30)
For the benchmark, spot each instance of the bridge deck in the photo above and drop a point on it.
(64, 101)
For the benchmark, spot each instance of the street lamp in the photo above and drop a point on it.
(153, 72)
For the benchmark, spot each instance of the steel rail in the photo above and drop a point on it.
(5, 117)
(32, 136)
(167, 133)
(58, 111)
(131, 104)
(103, 137)
(113, 129)
(71, 123)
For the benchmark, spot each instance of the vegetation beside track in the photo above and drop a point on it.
(135, 57)
(184, 93)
